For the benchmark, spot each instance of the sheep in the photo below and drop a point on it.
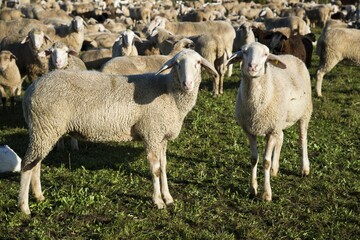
(209, 46)
(296, 45)
(140, 13)
(124, 44)
(25, 49)
(73, 35)
(8, 14)
(147, 107)
(95, 58)
(127, 65)
(222, 29)
(318, 15)
(62, 57)
(271, 98)
(9, 77)
(9, 160)
(244, 35)
(113, 26)
(296, 24)
(337, 44)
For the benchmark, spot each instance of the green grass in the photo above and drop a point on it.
(104, 190)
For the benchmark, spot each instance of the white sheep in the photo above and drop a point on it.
(109, 107)
(72, 35)
(222, 29)
(9, 160)
(271, 98)
(209, 46)
(64, 58)
(124, 44)
(9, 77)
(335, 45)
(127, 65)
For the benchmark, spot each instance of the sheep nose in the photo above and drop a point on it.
(252, 66)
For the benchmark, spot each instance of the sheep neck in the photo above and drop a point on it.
(256, 93)
(183, 100)
(11, 72)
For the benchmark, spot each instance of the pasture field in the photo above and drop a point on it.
(103, 191)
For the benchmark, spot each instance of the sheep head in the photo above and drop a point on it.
(127, 38)
(78, 24)
(37, 38)
(254, 57)
(187, 65)
(59, 54)
(6, 57)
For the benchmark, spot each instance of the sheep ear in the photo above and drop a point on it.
(274, 60)
(236, 57)
(208, 67)
(137, 38)
(12, 56)
(169, 64)
(190, 46)
(26, 39)
(47, 38)
(72, 52)
(44, 53)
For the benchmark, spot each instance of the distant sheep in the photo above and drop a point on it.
(125, 44)
(271, 98)
(9, 77)
(147, 107)
(336, 45)
(128, 65)
(64, 58)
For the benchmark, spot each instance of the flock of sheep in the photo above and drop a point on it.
(121, 71)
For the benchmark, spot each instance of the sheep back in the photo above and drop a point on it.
(120, 116)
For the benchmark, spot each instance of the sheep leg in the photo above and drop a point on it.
(276, 154)
(3, 97)
(36, 184)
(228, 53)
(269, 149)
(216, 86)
(164, 183)
(326, 65)
(305, 164)
(30, 172)
(3, 100)
(24, 191)
(60, 145)
(74, 144)
(254, 158)
(153, 156)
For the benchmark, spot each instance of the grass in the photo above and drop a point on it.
(103, 191)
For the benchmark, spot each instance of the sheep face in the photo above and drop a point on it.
(37, 38)
(187, 66)
(78, 24)
(59, 55)
(127, 38)
(6, 58)
(254, 57)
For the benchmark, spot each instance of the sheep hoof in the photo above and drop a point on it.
(25, 210)
(305, 172)
(40, 198)
(169, 202)
(253, 193)
(160, 204)
(274, 172)
(266, 197)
